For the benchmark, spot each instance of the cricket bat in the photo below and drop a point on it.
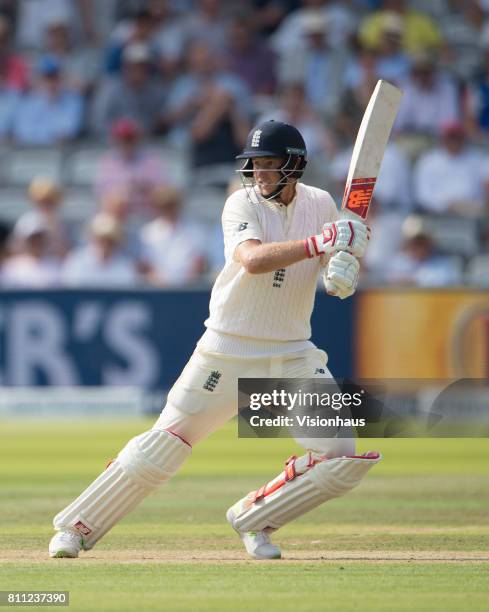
(369, 148)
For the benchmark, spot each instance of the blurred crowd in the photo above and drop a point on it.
(165, 92)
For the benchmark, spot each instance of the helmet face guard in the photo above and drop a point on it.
(273, 139)
(291, 169)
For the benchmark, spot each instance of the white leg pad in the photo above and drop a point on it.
(306, 483)
(143, 464)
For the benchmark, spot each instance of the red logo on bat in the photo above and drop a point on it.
(82, 528)
(358, 196)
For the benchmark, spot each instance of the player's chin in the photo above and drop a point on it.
(265, 191)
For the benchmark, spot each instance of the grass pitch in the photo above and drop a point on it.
(414, 535)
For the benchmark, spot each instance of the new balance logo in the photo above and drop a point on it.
(255, 139)
(278, 277)
(211, 383)
(319, 371)
(242, 226)
(82, 528)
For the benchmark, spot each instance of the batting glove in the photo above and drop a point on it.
(343, 235)
(341, 277)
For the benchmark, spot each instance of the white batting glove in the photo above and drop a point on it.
(341, 276)
(344, 235)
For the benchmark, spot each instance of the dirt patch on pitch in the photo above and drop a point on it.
(228, 557)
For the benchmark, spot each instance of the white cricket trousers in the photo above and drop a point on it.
(205, 396)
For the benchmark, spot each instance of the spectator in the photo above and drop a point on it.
(250, 58)
(79, 64)
(430, 99)
(341, 21)
(269, 14)
(418, 263)
(477, 107)
(167, 36)
(292, 107)
(206, 23)
(318, 63)
(116, 204)
(360, 80)
(101, 263)
(463, 29)
(32, 267)
(155, 24)
(51, 113)
(32, 17)
(393, 62)
(14, 72)
(420, 33)
(392, 190)
(174, 248)
(100, 19)
(136, 94)
(453, 178)
(208, 109)
(46, 198)
(137, 30)
(388, 62)
(130, 167)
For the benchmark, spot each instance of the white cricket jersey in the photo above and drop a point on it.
(275, 307)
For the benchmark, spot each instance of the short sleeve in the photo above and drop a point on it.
(240, 222)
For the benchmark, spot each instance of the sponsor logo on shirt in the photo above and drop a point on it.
(279, 277)
(211, 382)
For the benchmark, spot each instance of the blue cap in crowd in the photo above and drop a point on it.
(49, 65)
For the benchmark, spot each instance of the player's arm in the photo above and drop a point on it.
(341, 235)
(258, 258)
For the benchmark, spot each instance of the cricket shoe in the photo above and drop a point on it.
(257, 543)
(65, 544)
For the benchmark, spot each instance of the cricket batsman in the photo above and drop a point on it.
(279, 236)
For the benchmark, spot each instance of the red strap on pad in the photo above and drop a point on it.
(290, 473)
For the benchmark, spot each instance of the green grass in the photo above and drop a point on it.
(414, 535)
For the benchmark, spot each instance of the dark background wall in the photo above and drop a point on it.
(127, 337)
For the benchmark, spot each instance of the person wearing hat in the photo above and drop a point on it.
(131, 167)
(318, 63)
(208, 108)
(139, 28)
(80, 63)
(101, 263)
(430, 98)
(173, 246)
(279, 235)
(340, 16)
(46, 198)
(31, 267)
(393, 63)
(452, 178)
(51, 113)
(419, 32)
(136, 93)
(418, 263)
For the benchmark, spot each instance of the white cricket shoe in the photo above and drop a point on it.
(65, 544)
(257, 543)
